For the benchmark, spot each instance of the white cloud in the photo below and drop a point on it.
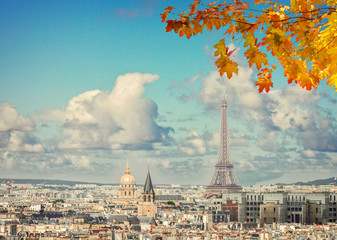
(120, 119)
(284, 126)
(78, 161)
(268, 141)
(23, 142)
(11, 119)
(193, 145)
(16, 131)
(309, 154)
(7, 161)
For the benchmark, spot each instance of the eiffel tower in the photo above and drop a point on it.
(224, 179)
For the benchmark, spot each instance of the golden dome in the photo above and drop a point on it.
(127, 178)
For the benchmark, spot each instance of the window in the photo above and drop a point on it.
(264, 209)
(274, 210)
(316, 210)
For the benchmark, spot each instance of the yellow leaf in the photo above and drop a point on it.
(332, 81)
(250, 40)
(220, 48)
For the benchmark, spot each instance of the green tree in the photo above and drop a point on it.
(58, 200)
(171, 203)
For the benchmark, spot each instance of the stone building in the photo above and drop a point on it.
(282, 207)
(147, 206)
(127, 185)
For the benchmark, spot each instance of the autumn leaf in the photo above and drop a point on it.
(332, 81)
(254, 56)
(231, 30)
(250, 40)
(262, 1)
(220, 48)
(301, 37)
(164, 16)
(264, 83)
(225, 65)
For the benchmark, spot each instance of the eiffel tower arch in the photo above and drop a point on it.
(224, 179)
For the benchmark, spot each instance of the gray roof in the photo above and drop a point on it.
(169, 197)
(133, 220)
(148, 188)
(119, 218)
(146, 219)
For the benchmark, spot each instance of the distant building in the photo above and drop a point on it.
(147, 206)
(281, 207)
(127, 185)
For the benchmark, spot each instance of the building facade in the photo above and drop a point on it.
(282, 207)
(127, 185)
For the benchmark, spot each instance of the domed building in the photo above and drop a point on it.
(127, 185)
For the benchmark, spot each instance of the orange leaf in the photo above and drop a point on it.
(263, 1)
(231, 30)
(264, 83)
(169, 9)
(194, 6)
(230, 68)
(332, 81)
(163, 16)
(227, 66)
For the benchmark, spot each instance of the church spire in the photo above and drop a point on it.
(147, 207)
(148, 188)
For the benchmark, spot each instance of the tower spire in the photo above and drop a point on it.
(148, 188)
(224, 179)
(127, 168)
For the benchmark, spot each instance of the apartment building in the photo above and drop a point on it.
(282, 207)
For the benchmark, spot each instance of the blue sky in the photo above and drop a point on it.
(85, 86)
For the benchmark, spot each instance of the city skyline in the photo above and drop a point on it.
(84, 88)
